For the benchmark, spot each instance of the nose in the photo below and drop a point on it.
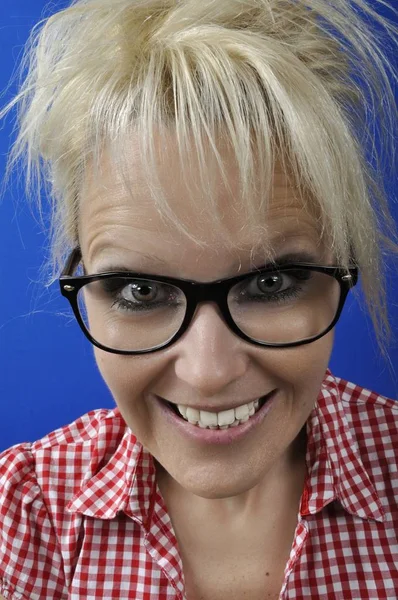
(210, 356)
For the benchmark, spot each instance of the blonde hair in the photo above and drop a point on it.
(297, 80)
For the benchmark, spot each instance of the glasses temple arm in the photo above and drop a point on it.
(72, 262)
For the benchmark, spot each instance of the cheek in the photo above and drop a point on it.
(300, 370)
(127, 377)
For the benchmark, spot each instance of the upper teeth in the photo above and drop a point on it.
(224, 418)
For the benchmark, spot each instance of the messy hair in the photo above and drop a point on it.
(305, 82)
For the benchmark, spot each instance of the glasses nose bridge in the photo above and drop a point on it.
(214, 292)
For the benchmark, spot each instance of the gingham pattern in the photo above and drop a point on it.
(81, 517)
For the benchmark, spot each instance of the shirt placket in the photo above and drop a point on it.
(300, 538)
(162, 546)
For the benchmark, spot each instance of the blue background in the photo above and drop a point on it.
(48, 373)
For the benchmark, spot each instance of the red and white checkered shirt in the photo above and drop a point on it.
(81, 517)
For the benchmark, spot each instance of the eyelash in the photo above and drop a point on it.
(110, 286)
(291, 292)
(129, 306)
(279, 297)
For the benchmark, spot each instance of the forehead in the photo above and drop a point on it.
(118, 213)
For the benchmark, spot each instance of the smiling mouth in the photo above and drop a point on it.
(219, 420)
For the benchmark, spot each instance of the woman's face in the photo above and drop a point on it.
(209, 367)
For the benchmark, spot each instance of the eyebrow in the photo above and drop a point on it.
(302, 256)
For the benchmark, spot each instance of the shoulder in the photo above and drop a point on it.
(32, 465)
(62, 460)
(28, 549)
(373, 423)
(370, 415)
(83, 431)
(36, 481)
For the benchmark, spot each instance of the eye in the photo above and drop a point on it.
(270, 283)
(140, 294)
(275, 287)
(141, 291)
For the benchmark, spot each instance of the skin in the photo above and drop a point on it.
(262, 475)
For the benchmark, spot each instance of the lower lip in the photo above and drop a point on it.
(217, 436)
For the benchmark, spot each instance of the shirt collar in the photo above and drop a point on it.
(125, 480)
(335, 470)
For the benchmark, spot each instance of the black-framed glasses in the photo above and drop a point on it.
(136, 313)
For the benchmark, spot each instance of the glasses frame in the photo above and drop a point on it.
(196, 293)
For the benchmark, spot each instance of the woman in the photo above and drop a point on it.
(213, 207)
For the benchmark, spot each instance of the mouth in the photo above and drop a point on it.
(222, 420)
